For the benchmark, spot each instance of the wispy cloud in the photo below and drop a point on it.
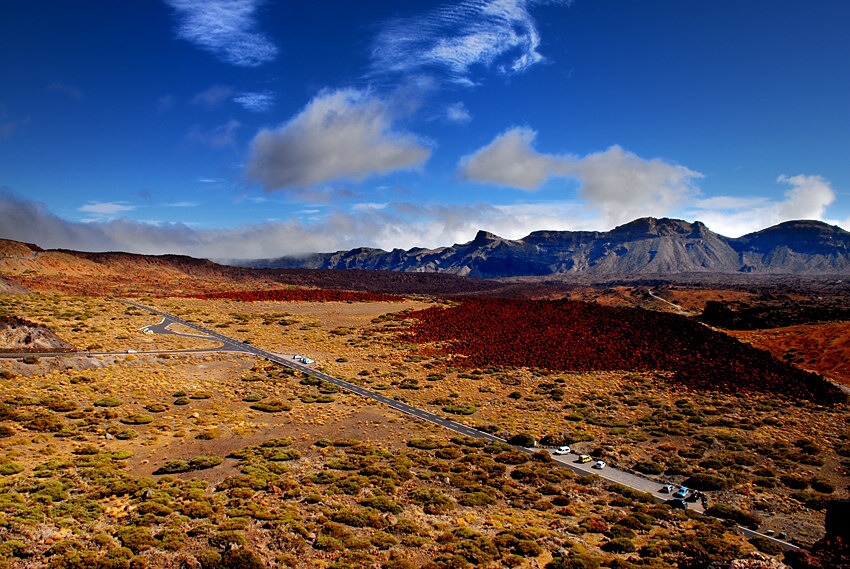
(458, 113)
(214, 96)
(106, 208)
(339, 135)
(165, 103)
(255, 102)
(8, 128)
(183, 204)
(221, 136)
(457, 37)
(396, 224)
(225, 28)
(69, 90)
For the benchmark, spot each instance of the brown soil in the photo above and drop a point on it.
(823, 348)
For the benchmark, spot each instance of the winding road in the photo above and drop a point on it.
(570, 461)
(608, 473)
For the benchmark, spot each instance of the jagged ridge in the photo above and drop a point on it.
(644, 246)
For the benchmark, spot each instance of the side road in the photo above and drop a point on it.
(570, 461)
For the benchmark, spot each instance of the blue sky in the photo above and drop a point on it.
(247, 128)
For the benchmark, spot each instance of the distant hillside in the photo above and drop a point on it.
(26, 267)
(642, 247)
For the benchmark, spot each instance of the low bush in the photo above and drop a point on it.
(271, 406)
(137, 419)
(740, 517)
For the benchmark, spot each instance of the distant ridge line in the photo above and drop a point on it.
(645, 246)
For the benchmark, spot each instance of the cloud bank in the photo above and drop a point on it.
(225, 28)
(617, 184)
(457, 37)
(385, 226)
(807, 198)
(339, 135)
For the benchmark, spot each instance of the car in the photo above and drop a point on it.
(667, 489)
(682, 493)
(584, 458)
(562, 450)
(677, 504)
(600, 464)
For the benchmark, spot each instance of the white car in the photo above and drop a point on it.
(562, 450)
(600, 464)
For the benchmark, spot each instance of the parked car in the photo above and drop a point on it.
(682, 493)
(562, 450)
(600, 464)
(584, 458)
(667, 489)
(677, 504)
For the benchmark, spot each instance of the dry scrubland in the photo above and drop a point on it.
(225, 461)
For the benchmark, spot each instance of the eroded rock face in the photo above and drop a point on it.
(752, 561)
(17, 334)
(643, 246)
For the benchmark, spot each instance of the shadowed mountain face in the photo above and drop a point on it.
(643, 246)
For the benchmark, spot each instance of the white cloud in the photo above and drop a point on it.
(457, 37)
(623, 186)
(510, 160)
(617, 184)
(106, 208)
(213, 97)
(808, 198)
(458, 113)
(255, 102)
(221, 136)
(339, 135)
(386, 226)
(225, 28)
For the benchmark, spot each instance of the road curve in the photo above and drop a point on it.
(570, 461)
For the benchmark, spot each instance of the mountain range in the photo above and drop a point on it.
(643, 246)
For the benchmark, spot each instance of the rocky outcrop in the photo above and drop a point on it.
(643, 246)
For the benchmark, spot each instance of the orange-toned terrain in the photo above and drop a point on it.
(219, 460)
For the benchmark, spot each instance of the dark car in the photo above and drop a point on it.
(677, 504)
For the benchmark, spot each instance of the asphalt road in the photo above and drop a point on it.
(570, 461)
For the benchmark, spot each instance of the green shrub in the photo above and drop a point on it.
(181, 401)
(10, 468)
(475, 499)
(618, 545)
(382, 504)
(766, 545)
(156, 407)
(425, 444)
(136, 538)
(740, 517)
(126, 434)
(522, 440)
(649, 467)
(824, 486)
(137, 419)
(461, 408)
(272, 406)
(706, 481)
(227, 539)
(108, 402)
